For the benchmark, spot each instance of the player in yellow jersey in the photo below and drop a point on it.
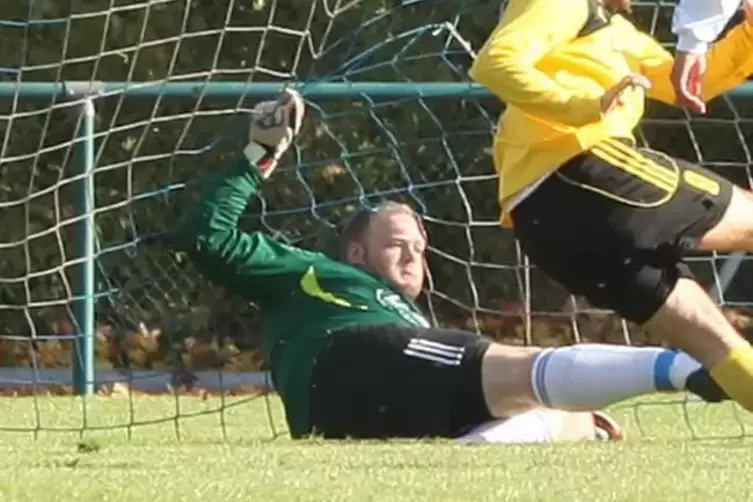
(610, 221)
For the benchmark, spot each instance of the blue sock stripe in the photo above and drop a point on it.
(539, 378)
(662, 366)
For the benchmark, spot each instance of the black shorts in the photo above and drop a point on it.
(392, 381)
(612, 225)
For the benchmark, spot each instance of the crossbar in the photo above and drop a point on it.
(219, 90)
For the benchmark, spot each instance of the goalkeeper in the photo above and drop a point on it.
(350, 353)
(610, 221)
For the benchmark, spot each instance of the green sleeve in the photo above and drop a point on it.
(251, 265)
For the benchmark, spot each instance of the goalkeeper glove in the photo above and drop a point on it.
(274, 126)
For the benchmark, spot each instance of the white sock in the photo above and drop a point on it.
(592, 376)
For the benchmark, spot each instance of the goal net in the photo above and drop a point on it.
(391, 116)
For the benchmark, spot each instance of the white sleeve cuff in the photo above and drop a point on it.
(687, 42)
(697, 23)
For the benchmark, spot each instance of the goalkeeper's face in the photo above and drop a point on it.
(393, 247)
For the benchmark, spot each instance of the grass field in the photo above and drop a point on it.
(676, 452)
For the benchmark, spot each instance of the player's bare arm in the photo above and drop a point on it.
(608, 220)
(693, 78)
(697, 24)
(728, 62)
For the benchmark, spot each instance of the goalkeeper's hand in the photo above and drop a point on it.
(274, 126)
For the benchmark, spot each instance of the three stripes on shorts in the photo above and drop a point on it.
(436, 352)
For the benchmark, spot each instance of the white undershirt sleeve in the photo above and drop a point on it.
(697, 23)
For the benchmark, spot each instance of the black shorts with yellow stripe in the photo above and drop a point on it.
(612, 224)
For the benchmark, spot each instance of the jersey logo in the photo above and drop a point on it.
(436, 352)
(393, 301)
(310, 285)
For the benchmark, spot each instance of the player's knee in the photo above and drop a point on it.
(690, 320)
(506, 379)
(734, 231)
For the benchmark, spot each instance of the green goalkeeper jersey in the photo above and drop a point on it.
(304, 296)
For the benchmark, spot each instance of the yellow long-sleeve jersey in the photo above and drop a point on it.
(550, 62)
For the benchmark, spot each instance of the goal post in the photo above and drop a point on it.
(105, 144)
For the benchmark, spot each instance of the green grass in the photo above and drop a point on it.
(676, 452)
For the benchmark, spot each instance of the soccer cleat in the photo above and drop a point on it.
(702, 385)
(607, 429)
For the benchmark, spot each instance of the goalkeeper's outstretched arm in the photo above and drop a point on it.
(252, 265)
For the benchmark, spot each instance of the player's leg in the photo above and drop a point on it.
(734, 231)
(543, 425)
(690, 319)
(397, 381)
(394, 381)
(584, 377)
(704, 214)
(620, 223)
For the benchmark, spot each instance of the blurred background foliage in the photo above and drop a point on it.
(154, 311)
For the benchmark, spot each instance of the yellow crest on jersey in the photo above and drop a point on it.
(701, 182)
